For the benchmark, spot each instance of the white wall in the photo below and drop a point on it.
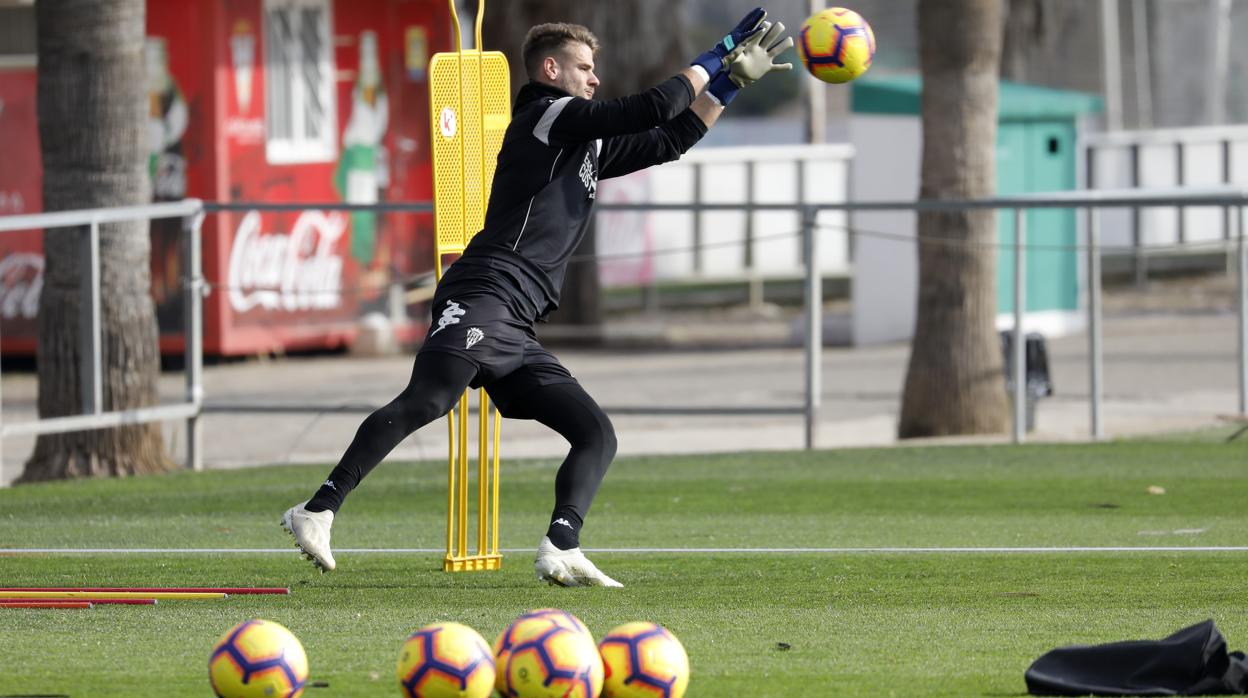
(888, 153)
(886, 267)
(1203, 165)
(624, 238)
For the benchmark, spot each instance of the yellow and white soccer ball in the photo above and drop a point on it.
(446, 660)
(836, 45)
(643, 660)
(548, 654)
(258, 659)
(526, 626)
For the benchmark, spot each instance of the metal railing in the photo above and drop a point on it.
(1142, 160)
(91, 370)
(1230, 199)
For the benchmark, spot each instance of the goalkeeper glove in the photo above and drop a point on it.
(751, 62)
(716, 59)
(757, 55)
(722, 89)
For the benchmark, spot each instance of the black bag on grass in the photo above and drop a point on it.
(1191, 662)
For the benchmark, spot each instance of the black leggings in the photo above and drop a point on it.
(438, 380)
(569, 410)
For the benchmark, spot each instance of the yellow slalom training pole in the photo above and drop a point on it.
(483, 434)
(498, 423)
(463, 154)
(483, 464)
(463, 475)
(450, 484)
(481, 117)
(466, 136)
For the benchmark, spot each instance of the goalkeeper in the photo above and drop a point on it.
(559, 144)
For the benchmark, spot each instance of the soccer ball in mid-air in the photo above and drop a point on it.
(836, 45)
(554, 663)
(258, 659)
(446, 660)
(643, 660)
(526, 626)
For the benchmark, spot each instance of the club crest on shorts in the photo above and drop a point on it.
(450, 316)
(475, 334)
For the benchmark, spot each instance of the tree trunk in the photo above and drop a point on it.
(642, 44)
(1027, 26)
(955, 382)
(1043, 39)
(92, 116)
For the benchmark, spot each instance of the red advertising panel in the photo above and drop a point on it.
(21, 191)
(265, 101)
(336, 114)
(180, 127)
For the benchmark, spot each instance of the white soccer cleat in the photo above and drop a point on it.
(568, 568)
(310, 529)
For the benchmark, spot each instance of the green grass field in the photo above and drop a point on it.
(862, 623)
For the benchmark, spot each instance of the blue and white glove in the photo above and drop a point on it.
(722, 89)
(753, 59)
(715, 60)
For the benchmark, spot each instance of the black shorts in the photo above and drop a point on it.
(479, 326)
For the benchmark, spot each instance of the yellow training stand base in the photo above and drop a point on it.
(469, 110)
(487, 557)
(472, 563)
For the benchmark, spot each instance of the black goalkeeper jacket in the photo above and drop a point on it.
(554, 152)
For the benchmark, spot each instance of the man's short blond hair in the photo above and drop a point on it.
(546, 39)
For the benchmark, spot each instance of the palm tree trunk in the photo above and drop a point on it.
(92, 116)
(955, 382)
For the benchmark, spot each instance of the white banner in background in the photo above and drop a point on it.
(21, 282)
(301, 270)
(624, 237)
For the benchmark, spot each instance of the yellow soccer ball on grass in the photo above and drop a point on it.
(643, 660)
(548, 654)
(445, 660)
(836, 45)
(258, 659)
(526, 626)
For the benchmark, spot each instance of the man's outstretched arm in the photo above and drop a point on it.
(707, 109)
(667, 142)
(578, 120)
(697, 77)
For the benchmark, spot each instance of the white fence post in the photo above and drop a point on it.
(91, 361)
(1243, 318)
(193, 337)
(1095, 359)
(814, 322)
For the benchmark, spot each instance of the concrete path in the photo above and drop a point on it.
(1164, 371)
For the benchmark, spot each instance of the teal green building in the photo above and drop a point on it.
(1037, 151)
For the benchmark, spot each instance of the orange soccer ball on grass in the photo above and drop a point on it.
(836, 45)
